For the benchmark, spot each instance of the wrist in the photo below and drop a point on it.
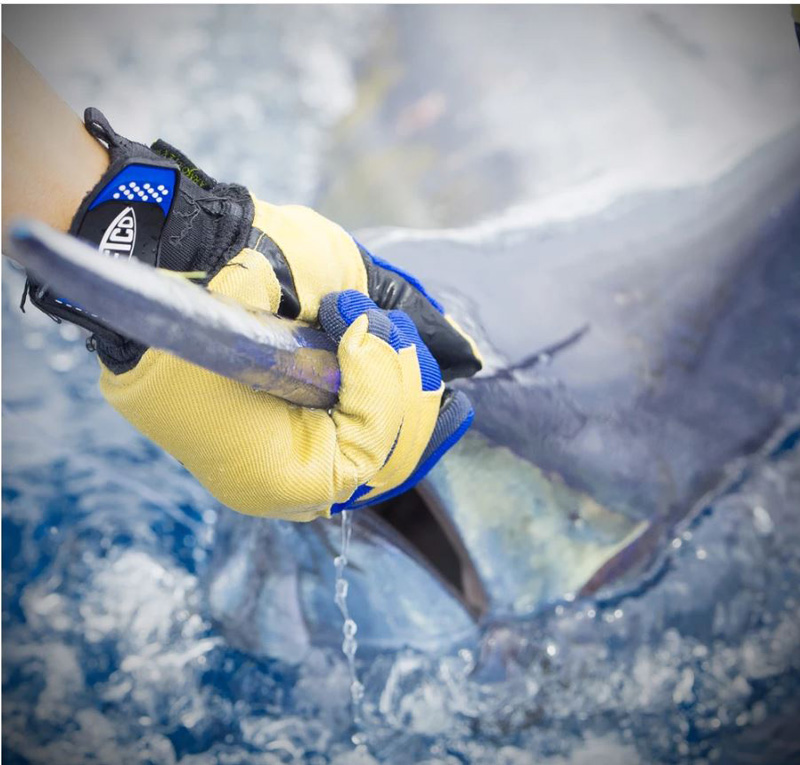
(184, 220)
(49, 162)
(155, 205)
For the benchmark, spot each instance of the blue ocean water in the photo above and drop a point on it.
(109, 654)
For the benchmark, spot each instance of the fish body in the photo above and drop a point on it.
(624, 247)
(636, 360)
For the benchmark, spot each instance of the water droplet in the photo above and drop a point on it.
(62, 362)
(357, 691)
(701, 553)
(350, 628)
(469, 660)
(551, 649)
(762, 521)
(676, 543)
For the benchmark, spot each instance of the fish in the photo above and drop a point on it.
(636, 360)
(633, 291)
(588, 148)
(624, 249)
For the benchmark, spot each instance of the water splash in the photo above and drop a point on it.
(349, 627)
(103, 621)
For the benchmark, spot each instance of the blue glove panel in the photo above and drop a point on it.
(337, 312)
(455, 417)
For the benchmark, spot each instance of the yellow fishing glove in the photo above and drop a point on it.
(254, 452)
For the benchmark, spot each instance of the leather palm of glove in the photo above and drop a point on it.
(255, 452)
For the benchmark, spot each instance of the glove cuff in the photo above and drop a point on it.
(207, 223)
(165, 211)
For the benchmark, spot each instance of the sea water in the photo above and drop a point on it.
(109, 654)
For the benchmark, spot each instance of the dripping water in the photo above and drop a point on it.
(349, 627)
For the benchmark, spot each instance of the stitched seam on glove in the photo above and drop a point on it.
(322, 256)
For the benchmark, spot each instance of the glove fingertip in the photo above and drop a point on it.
(403, 321)
(409, 334)
(381, 326)
(455, 416)
(338, 310)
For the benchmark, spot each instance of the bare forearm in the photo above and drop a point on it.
(49, 161)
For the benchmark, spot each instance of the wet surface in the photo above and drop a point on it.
(110, 651)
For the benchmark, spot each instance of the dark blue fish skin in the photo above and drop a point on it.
(668, 314)
(595, 458)
(691, 359)
(486, 107)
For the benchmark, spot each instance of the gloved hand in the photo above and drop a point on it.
(254, 452)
